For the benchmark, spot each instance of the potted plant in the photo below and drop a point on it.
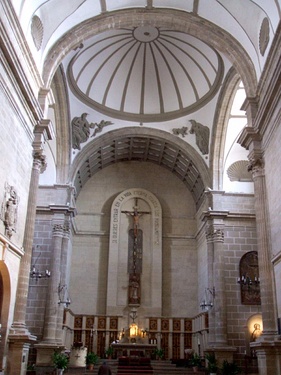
(159, 353)
(212, 363)
(60, 361)
(31, 369)
(195, 361)
(109, 352)
(230, 368)
(92, 359)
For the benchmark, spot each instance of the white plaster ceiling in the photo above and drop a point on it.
(154, 63)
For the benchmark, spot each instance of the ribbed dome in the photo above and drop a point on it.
(153, 73)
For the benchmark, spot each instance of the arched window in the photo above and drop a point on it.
(249, 279)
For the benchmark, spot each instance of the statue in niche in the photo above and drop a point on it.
(81, 129)
(134, 289)
(202, 134)
(9, 210)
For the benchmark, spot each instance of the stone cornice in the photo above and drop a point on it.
(248, 136)
(15, 50)
(7, 245)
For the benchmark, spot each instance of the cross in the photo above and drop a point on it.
(135, 215)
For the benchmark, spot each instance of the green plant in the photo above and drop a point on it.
(212, 362)
(92, 358)
(195, 360)
(159, 353)
(230, 368)
(60, 360)
(109, 351)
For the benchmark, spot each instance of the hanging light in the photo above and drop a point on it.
(208, 302)
(36, 274)
(63, 296)
(246, 280)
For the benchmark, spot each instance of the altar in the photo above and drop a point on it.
(133, 350)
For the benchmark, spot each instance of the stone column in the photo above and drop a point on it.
(63, 280)
(52, 306)
(19, 336)
(268, 346)
(19, 325)
(216, 288)
(49, 343)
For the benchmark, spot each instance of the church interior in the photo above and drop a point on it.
(140, 181)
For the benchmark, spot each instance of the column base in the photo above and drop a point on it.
(222, 353)
(45, 353)
(268, 353)
(19, 344)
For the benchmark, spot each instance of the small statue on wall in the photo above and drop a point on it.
(134, 290)
(9, 209)
(202, 134)
(180, 131)
(81, 129)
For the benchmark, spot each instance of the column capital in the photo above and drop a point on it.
(214, 233)
(256, 163)
(39, 161)
(58, 229)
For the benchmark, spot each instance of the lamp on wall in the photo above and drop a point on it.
(208, 302)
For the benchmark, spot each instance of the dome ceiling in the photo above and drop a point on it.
(145, 73)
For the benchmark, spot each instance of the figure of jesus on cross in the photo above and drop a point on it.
(135, 215)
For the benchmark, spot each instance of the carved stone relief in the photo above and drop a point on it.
(81, 129)
(37, 32)
(239, 171)
(202, 134)
(9, 209)
(264, 36)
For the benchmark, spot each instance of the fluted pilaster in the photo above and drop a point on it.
(52, 306)
(19, 325)
(264, 250)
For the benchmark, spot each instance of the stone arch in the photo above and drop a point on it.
(174, 19)
(220, 127)
(109, 139)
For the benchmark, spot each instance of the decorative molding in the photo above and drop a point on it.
(238, 171)
(37, 31)
(264, 36)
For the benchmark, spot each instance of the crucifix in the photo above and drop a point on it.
(135, 254)
(135, 215)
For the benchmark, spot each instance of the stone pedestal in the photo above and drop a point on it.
(269, 356)
(44, 357)
(224, 353)
(18, 354)
(77, 357)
